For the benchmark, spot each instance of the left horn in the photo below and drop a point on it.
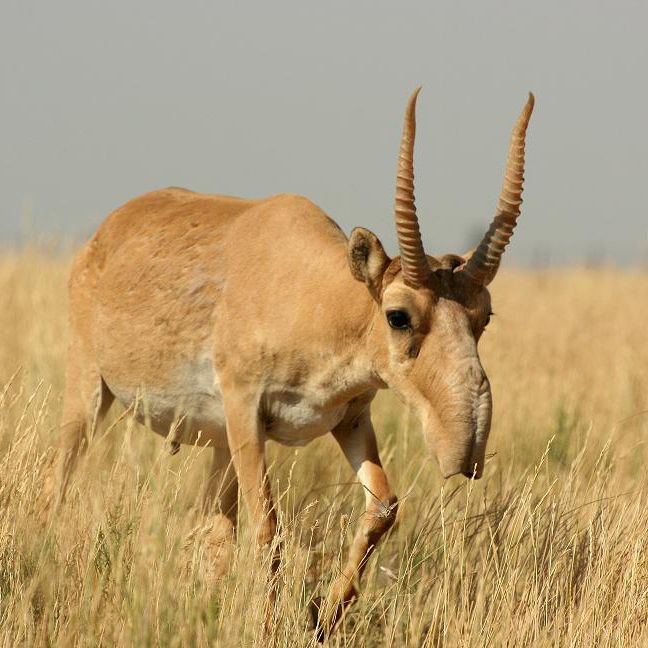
(484, 262)
(414, 264)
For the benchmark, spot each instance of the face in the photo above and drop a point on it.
(432, 312)
(429, 357)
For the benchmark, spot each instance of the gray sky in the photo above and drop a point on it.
(101, 101)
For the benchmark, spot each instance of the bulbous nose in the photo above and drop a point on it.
(460, 466)
(459, 422)
(471, 474)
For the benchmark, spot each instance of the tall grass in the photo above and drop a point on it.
(550, 548)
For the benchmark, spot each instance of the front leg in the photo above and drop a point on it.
(245, 436)
(358, 442)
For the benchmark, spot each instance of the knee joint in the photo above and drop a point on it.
(267, 531)
(382, 516)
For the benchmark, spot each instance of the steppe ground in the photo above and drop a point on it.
(549, 549)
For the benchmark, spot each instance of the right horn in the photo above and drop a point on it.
(483, 263)
(414, 263)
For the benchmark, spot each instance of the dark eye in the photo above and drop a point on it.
(398, 319)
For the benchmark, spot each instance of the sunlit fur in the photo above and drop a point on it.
(435, 366)
(226, 322)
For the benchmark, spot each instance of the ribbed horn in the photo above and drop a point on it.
(482, 265)
(416, 270)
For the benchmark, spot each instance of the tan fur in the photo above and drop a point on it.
(243, 321)
(229, 322)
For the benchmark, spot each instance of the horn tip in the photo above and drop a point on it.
(414, 96)
(531, 101)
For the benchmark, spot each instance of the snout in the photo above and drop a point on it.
(461, 447)
(450, 468)
(468, 462)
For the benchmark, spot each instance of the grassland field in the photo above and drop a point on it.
(550, 548)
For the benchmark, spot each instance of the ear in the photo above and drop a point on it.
(367, 259)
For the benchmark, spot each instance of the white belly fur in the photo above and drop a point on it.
(293, 417)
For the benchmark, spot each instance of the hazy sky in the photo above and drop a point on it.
(101, 101)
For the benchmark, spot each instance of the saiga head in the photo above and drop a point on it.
(432, 311)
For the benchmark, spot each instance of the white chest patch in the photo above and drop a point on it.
(295, 418)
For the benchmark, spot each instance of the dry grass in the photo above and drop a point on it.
(550, 548)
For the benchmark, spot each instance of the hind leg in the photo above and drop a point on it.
(85, 403)
(221, 502)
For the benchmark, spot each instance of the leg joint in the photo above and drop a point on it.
(380, 517)
(267, 530)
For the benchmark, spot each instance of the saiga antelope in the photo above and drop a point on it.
(249, 320)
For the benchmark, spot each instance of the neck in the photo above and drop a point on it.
(353, 327)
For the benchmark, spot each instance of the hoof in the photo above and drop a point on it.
(324, 626)
(315, 607)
